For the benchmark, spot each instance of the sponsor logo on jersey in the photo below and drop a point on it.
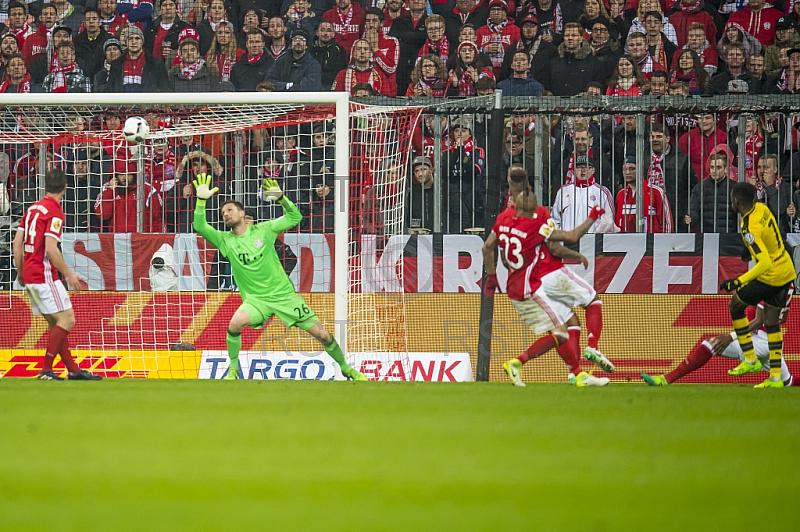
(258, 242)
(749, 238)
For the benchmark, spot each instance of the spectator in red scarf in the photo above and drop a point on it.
(637, 48)
(223, 53)
(117, 202)
(361, 70)
(688, 68)
(66, 76)
(17, 22)
(429, 78)
(670, 170)
(385, 49)
(498, 34)
(468, 70)
(659, 46)
(137, 70)
(347, 17)
(161, 35)
(656, 211)
(216, 15)
(190, 73)
(771, 188)
(465, 12)
(45, 63)
(9, 46)
(436, 43)
(252, 67)
(17, 79)
(627, 79)
(699, 44)
(36, 43)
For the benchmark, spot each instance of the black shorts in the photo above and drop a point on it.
(755, 292)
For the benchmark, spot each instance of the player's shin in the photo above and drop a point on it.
(594, 322)
(570, 355)
(336, 353)
(234, 341)
(540, 347)
(740, 326)
(55, 341)
(696, 359)
(775, 340)
(66, 357)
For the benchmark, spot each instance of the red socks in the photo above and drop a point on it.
(695, 360)
(570, 356)
(594, 322)
(57, 343)
(538, 348)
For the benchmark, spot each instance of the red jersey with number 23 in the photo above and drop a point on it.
(44, 218)
(522, 242)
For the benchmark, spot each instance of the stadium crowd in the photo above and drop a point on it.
(438, 48)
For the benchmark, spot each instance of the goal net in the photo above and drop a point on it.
(158, 298)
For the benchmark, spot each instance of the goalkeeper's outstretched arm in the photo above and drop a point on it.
(201, 185)
(292, 215)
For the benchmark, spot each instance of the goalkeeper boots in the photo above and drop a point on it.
(514, 370)
(593, 354)
(587, 379)
(654, 380)
(84, 375)
(770, 384)
(744, 368)
(353, 374)
(48, 376)
(233, 371)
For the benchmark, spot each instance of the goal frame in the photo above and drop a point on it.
(341, 101)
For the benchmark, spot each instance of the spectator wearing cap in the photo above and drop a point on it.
(16, 78)
(276, 41)
(252, 68)
(112, 50)
(137, 70)
(785, 35)
(468, 70)
(89, 43)
(574, 67)
(190, 73)
(68, 15)
(606, 47)
(43, 64)
(361, 70)
(498, 34)
(420, 201)
(296, 71)
(385, 49)
(66, 76)
(410, 30)
(692, 12)
(735, 70)
(759, 18)
(469, 12)
(575, 199)
(17, 22)
(9, 46)
(532, 42)
(656, 210)
(329, 54)
(36, 43)
(521, 82)
(162, 34)
(84, 184)
(117, 204)
(347, 17)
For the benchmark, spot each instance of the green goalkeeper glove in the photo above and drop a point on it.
(273, 191)
(201, 186)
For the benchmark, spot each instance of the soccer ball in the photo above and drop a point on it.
(136, 129)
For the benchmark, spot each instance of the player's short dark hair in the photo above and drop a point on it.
(526, 201)
(518, 178)
(231, 200)
(55, 181)
(744, 192)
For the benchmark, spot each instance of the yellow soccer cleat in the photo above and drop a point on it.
(744, 368)
(770, 384)
(514, 370)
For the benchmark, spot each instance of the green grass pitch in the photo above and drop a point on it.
(200, 455)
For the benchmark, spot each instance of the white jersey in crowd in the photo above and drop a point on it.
(573, 203)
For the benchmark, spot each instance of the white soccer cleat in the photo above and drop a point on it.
(586, 379)
(593, 354)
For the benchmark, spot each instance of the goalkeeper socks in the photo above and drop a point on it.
(696, 360)
(333, 349)
(594, 322)
(539, 347)
(741, 325)
(54, 342)
(66, 357)
(775, 341)
(234, 341)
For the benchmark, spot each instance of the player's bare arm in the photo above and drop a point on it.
(489, 248)
(57, 259)
(557, 250)
(19, 255)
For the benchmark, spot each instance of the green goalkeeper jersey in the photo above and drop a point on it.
(255, 264)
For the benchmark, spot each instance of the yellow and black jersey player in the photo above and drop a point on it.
(770, 281)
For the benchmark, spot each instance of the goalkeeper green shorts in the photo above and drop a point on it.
(291, 310)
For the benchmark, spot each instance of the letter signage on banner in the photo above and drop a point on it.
(676, 263)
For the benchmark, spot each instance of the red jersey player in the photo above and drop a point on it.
(539, 286)
(38, 259)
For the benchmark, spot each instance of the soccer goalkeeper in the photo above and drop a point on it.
(263, 284)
